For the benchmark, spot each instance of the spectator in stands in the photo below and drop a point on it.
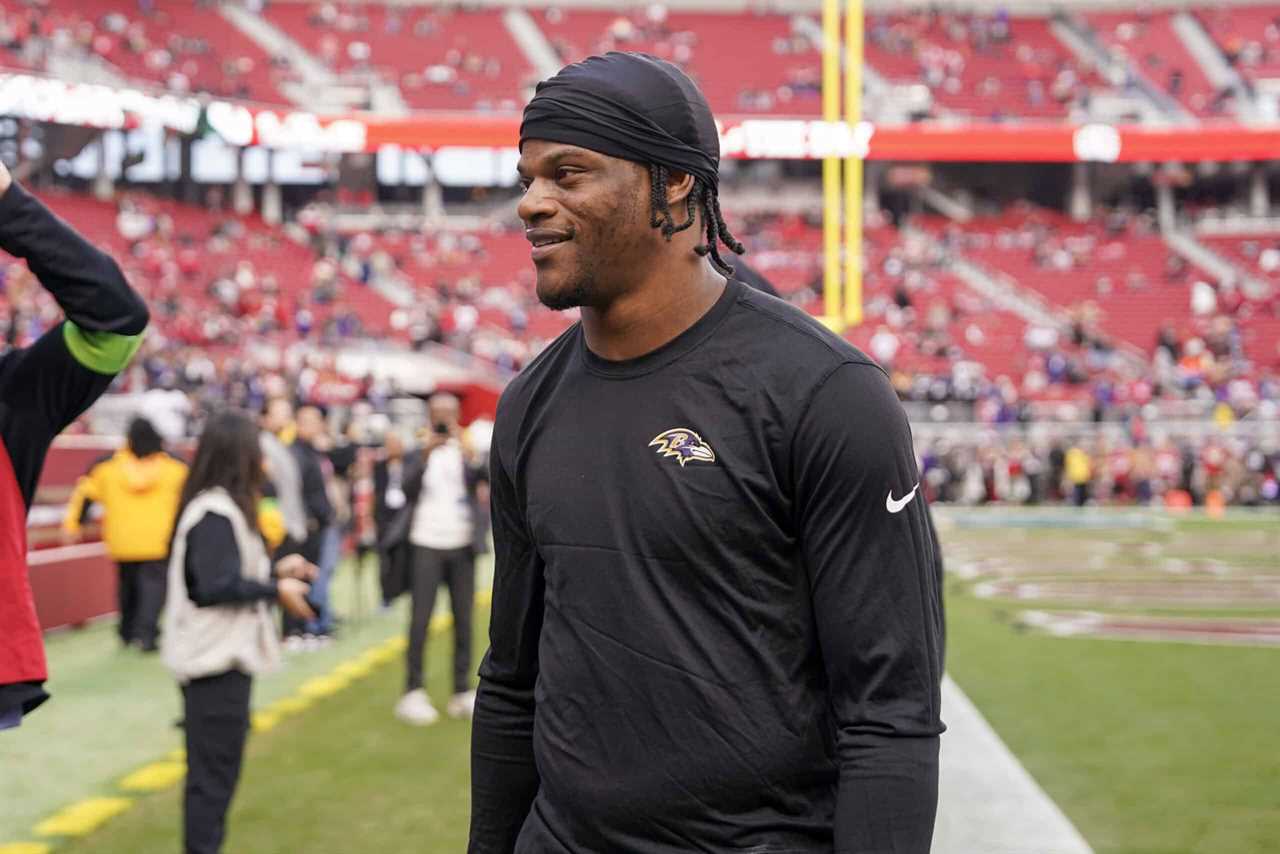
(218, 633)
(138, 490)
(442, 486)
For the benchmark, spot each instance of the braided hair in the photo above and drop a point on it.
(700, 199)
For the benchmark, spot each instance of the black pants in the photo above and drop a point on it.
(457, 568)
(141, 592)
(217, 721)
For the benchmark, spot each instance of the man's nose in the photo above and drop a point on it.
(535, 205)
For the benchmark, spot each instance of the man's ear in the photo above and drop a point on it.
(679, 186)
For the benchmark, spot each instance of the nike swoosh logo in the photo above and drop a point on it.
(894, 506)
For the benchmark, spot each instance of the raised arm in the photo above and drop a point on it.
(49, 384)
(504, 779)
(875, 572)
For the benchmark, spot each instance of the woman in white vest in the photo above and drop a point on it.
(218, 629)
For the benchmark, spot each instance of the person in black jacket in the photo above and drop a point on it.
(43, 388)
(389, 499)
(312, 464)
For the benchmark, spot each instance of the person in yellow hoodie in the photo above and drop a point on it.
(138, 488)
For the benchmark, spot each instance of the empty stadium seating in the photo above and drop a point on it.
(442, 59)
(745, 63)
(980, 66)
(183, 46)
(1149, 42)
(1248, 35)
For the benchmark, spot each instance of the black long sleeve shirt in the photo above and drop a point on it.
(717, 618)
(43, 388)
(212, 566)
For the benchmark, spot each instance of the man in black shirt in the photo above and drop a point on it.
(717, 617)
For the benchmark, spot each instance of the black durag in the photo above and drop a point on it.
(628, 105)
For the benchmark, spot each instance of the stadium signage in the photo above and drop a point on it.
(771, 139)
(47, 99)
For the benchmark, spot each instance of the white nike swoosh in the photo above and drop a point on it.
(894, 506)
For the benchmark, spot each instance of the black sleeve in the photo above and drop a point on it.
(315, 497)
(43, 388)
(343, 458)
(504, 779)
(874, 569)
(212, 566)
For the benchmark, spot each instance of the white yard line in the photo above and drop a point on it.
(988, 803)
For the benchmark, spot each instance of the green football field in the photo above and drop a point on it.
(1146, 745)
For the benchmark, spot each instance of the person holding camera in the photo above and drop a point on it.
(443, 522)
(218, 630)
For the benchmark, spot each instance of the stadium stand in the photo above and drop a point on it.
(1152, 47)
(442, 59)
(781, 77)
(982, 66)
(182, 47)
(1249, 37)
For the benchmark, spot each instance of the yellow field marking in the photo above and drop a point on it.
(82, 817)
(25, 848)
(265, 721)
(154, 777)
(355, 669)
(323, 686)
(290, 705)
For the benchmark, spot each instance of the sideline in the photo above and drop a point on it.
(987, 801)
(85, 816)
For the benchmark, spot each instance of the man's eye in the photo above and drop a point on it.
(563, 173)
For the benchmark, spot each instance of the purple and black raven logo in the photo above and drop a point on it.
(683, 444)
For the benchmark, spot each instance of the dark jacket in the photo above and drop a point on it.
(315, 496)
(382, 514)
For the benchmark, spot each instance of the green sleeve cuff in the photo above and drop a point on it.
(100, 352)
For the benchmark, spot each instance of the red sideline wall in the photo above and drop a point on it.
(72, 584)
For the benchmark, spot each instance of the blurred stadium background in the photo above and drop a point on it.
(1054, 224)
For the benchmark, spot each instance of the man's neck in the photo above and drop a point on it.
(651, 315)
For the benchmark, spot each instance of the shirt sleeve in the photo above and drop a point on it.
(212, 566)
(85, 281)
(875, 575)
(48, 385)
(504, 778)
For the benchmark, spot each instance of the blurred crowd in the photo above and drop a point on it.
(1136, 470)
(145, 41)
(974, 58)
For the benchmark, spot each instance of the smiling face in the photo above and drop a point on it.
(587, 218)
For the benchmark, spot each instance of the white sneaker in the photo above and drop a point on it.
(461, 705)
(415, 708)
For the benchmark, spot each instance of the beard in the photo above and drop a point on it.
(574, 296)
(577, 287)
